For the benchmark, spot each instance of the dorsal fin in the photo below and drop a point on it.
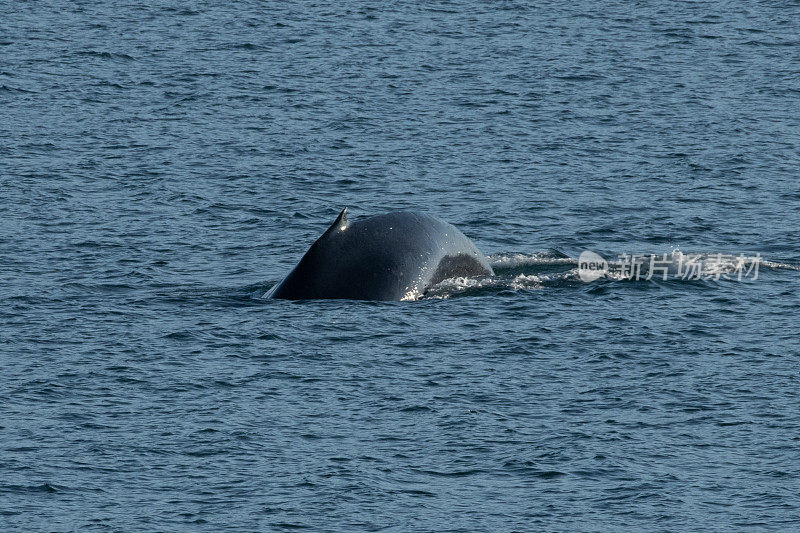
(340, 224)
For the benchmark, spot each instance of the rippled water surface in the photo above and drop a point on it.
(162, 166)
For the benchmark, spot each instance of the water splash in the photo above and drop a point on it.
(517, 271)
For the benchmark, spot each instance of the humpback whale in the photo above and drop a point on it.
(393, 256)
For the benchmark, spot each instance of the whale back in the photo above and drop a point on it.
(393, 256)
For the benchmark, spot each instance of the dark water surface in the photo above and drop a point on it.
(161, 167)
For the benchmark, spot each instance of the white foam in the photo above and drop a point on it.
(516, 260)
(526, 282)
(780, 266)
(712, 265)
(449, 287)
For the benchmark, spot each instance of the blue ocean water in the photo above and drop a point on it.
(163, 165)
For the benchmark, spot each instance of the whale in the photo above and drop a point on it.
(393, 256)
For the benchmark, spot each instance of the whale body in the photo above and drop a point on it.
(394, 256)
